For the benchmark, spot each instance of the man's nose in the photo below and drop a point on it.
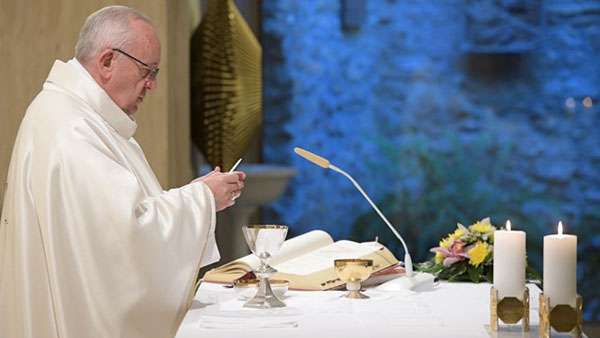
(150, 84)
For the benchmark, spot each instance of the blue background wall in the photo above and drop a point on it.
(445, 111)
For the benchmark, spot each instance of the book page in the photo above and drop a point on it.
(323, 257)
(301, 245)
(293, 247)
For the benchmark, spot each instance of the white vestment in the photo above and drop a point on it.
(90, 244)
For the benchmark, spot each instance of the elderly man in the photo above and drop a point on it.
(90, 245)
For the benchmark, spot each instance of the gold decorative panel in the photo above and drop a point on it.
(226, 83)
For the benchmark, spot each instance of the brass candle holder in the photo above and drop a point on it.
(509, 310)
(561, 317)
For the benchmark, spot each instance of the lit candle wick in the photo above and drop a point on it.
(508, 226)
(560, 228)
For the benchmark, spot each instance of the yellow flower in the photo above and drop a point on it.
(457, 234)
(446, 242)
(483, 227)
(478, 253)
(439, 258)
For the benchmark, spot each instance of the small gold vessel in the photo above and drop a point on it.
(353, 272)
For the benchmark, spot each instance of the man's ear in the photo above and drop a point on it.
(105, 64)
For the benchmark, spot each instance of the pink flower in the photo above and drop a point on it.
(455, 253)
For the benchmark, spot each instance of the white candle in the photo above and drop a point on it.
(509, 262)
(560, 268)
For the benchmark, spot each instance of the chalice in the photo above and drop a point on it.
(264, 241)
(354, 272)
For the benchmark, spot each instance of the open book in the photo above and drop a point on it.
(306, 261)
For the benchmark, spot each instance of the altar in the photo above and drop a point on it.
(449, 310)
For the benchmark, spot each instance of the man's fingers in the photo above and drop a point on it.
(230, 201)
(235, 193)
(240, 174)
(236, 186)
(228, 185)
(231, 178)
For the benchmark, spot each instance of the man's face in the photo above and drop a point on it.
(131, 78)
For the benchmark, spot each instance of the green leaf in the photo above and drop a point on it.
(476, 273)
(489, 276)
(456, 271)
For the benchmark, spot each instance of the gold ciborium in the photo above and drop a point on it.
(353, 272)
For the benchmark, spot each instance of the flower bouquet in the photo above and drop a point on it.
(464, 255)
(467, 255)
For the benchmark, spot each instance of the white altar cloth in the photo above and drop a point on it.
(450, 310)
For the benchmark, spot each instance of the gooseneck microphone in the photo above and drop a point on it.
(324, 163)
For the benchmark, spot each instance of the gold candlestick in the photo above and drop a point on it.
(509, 309)
(561, 317)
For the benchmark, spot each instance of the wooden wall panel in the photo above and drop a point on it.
(180, 24)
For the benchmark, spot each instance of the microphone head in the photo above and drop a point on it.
(316, 159)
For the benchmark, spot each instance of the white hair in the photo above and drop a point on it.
(108, 27)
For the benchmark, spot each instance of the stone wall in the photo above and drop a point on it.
(440, 123)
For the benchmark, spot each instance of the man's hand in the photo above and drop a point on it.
(226, 187)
